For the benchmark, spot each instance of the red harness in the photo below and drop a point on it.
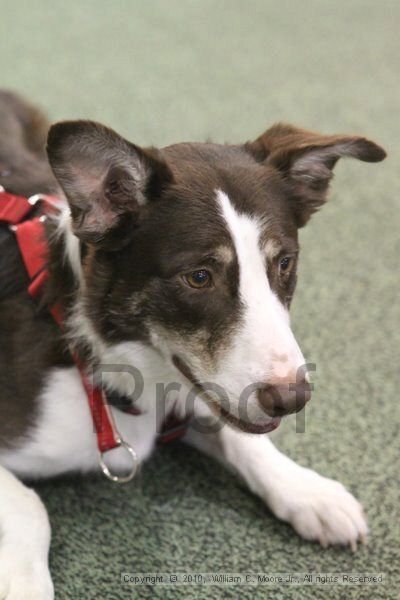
(16, 212)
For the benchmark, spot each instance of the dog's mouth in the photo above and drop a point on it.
(272, 424)
(246, 426)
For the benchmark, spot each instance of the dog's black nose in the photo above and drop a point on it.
(281, 399)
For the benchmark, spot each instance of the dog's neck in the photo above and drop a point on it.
(67, 286)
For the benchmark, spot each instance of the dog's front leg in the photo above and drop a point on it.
(24, 542)
(318, 508)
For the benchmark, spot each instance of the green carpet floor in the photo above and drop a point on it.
(169, 70)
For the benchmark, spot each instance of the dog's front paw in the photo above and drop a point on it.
(22, 578)
(320, 509)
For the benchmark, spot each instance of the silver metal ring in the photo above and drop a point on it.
(120, 478)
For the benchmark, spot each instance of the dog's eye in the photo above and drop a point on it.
(285, 265)
(198, 279)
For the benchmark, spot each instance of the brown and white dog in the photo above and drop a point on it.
(180, 262)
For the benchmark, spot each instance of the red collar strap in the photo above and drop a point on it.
(19, 214)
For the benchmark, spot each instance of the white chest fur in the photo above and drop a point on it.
(63, 438)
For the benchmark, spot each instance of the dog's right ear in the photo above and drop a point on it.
(106, 179)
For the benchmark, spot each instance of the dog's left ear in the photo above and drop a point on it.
(306, 160)
(107, 180)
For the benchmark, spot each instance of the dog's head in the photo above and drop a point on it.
(193, 249)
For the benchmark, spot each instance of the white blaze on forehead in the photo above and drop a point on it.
(245, 231)
(263, 347)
